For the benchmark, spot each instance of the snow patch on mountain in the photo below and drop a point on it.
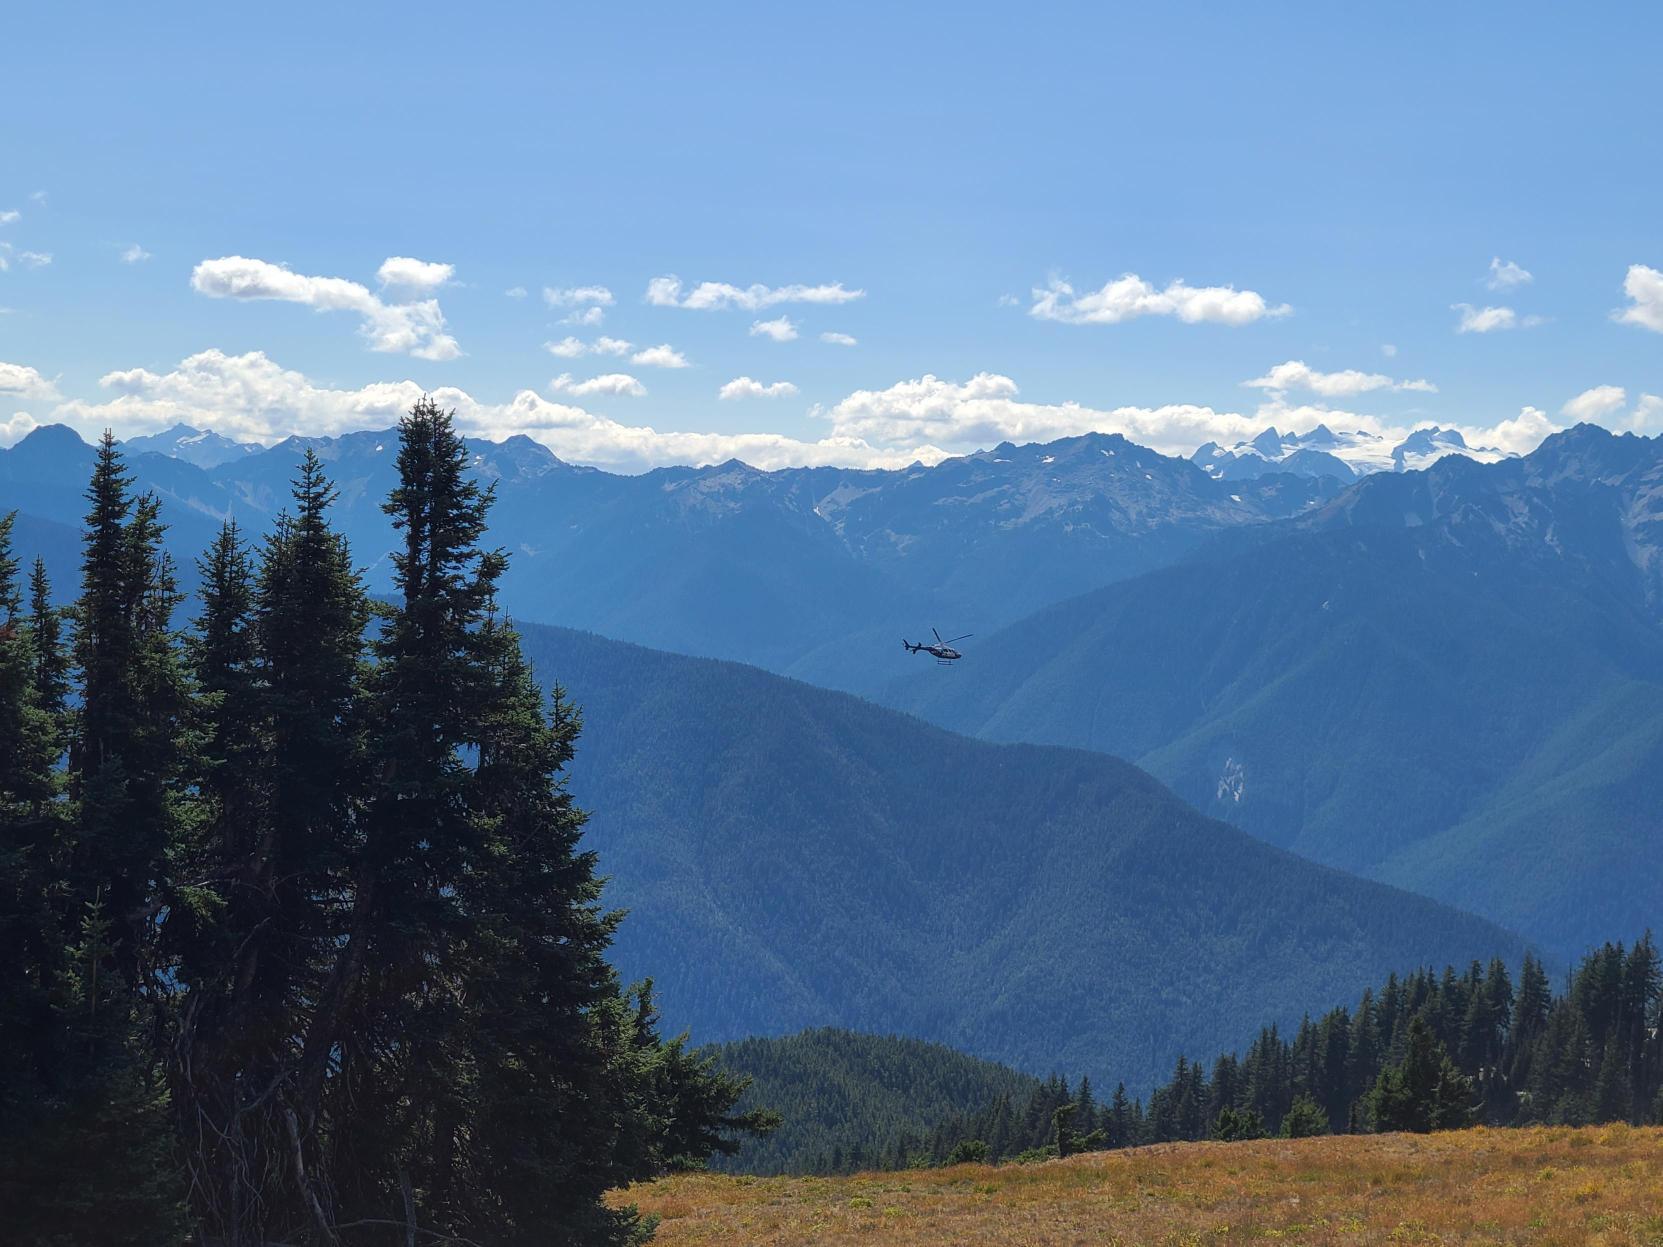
(1344, 455)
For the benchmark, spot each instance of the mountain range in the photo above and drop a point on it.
(812, 571)
(1445, 679)
(1344, 456)
(1451, 680)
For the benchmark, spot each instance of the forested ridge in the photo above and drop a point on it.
(1424, 1051)
(303, 944)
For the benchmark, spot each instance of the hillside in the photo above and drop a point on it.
(842, 1094)
(847, 865)
(1450, 680)
(1545, 1185)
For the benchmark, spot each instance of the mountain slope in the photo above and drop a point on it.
(1452, 680)
(841, 1094)
(841, 864)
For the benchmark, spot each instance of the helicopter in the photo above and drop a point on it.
(944, 652)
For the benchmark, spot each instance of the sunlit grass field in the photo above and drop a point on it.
(1600, 1185)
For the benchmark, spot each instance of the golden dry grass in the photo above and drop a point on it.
(1602, 1185)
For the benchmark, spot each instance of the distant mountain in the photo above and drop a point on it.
(1344, 456)
(841, 1095)
(201, 447)
(1451, 680)
(795, 857)
(814, 572)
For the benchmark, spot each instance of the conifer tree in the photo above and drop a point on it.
(472, 1067)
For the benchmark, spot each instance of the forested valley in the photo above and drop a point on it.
(1425, 1051)
(303, 944)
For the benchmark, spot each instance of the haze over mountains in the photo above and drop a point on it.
(1452, 680)
(1445, 679)
(848, 865)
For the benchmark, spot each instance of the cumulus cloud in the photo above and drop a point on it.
(572, 348)
(515, 292)
(15, 429)
(1648, 414)
(401, 272)
(1605, 404)
(713, 295)
(779, 329)
(1504, 275)
(576, 296)
(10, 215)
(661, 356)
(746, 387)
(1388, 350)
(985, 410)
(838, 339)
(567, 348)
(34, 259)
(586, 316)
(1129, 296)
(19, 381)
(1596, 403)
(1490, 319)
(1644, 288)
(415, 328)
(252, 398)
(1295, 374)
(610, 385)
(134, 255)
(1519, 436)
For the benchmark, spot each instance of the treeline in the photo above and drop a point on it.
(302, 946)
(1424, 1052)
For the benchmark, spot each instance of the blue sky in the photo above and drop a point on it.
(1350, 174)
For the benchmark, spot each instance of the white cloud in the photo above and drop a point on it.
(253, 398)
(586, 316)
(1388, 350)
(661, 356)
(38, 197)
(838, 339)
(134, 255)
(1644, 288)
(416, 328)
(515, 292)
(9, 216)
(1129, 297)
(18, 381)
(712, 295)
(1519, 436)
(1490, 319)
(1604, 404)
(34, 259)
(746, 387)
(1295, 374)
(572, 348)
(1648, 414)
(401, 272)
(17, 428)
(576, 296)
(780, 329)
(610, 384)
(1596, 404)
(1504, 275)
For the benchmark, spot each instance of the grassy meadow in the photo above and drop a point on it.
(1550, 1185)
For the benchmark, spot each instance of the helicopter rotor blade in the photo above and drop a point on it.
(965, 637)
(938, 639)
